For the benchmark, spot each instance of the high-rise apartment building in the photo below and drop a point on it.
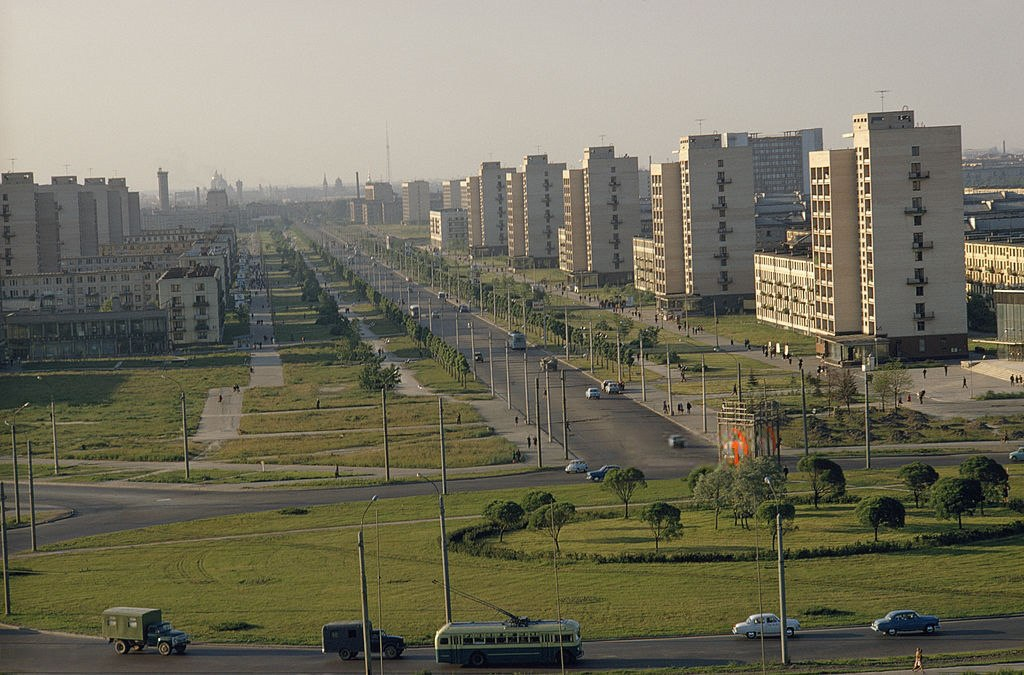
(449, 229)
(416, 202)
(780, 161)
(668, 263)
(516, 218)
(493, 215)
(542, 209)
(887, 243)
(716, 177)
(470, 195)
(451, 194)
(572, 236)
(29, 222)
(612, 208)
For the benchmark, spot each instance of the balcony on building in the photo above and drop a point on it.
(723, 180)
(917, 281)
(720, 205)
(201, 302)
(917, 245)
(918, 175)
(922, 316)
(915, 210)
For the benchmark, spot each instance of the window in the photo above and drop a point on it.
(918, 256)
(916, 186)
(917, 221)
(915, 150)
(919, 290)
(917, 202)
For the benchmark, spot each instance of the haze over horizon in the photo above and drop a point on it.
(283, 93)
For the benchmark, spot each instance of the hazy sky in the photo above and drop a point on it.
(282, 92)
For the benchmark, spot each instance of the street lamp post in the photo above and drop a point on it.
(13, 424)
(867, 417)
(444, 552)
(184, 422)
(53, 426)
(367, 662)
(782, 573)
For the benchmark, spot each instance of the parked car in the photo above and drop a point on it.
(598, 474)
(478, 356)
(905, 621)
(1018, 454)
(769, 624)
(435, 315)
(576, 466)
(593, 392)
(677, 441)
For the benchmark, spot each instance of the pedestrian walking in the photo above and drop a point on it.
(924, 373)
(918, 660)
(318, 404)
(664, 406)
(965, 383)
(945, 369)
(920, 396)
(517, 420)
(689, 406)
(529, 440)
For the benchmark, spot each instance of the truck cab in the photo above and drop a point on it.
(516, 340)
(346, 639)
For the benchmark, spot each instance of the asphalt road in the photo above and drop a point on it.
(34, 652)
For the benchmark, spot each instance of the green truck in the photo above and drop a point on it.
(135, 628)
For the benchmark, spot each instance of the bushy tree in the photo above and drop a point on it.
(551, 518)
(955, 497)
(623, 483)
(918, 477)
(504, 515)
(826, 477)
(891, 381)
(766, 512)
(713, 490)
(749, 487)
(534, 499)
(846, 388)
(995, 483)
(663, 520)
(875, 512)
(374, 377)
(696, 473)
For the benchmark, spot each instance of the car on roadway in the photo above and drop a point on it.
(1018, 454)
(677, 441)
(905, 621)
(598, 474)
(593, 392)
(478, 356)
(463, 309)
(576, 466)
(767, 624)
(435, 315)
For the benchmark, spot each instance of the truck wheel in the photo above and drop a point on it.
(390, 652)
(164, 648)
(477, 660)
(121, 647)
(346, 654)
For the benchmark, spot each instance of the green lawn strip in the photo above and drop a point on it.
(130, 414)
(228, 476)
(431, 376)
(277, 582)
(42, 516)
(402, 411)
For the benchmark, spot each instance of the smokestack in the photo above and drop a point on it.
(197, 196)
(165, 195)
(357, 185)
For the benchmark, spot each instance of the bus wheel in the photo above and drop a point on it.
(477, 660)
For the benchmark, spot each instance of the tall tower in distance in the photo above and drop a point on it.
(165, 195)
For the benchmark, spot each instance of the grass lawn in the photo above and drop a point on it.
(273, 576)
(120, 413)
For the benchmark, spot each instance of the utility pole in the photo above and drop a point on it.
(526, 386)
(384, 417)
(490, 360)
(803, 408)
(643, 377)
(703, 393)
(540, 458)
(547, 401)
(668, 379)
(444, 457)
(31, 499)
(508, 379)
(3, 542)
(565, 421)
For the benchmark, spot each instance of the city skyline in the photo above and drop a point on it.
(281, 96)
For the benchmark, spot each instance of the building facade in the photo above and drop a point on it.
(612, 210)
(193, 297)
(543, 209)
(416, 202)
(572, 236)
(449, 229)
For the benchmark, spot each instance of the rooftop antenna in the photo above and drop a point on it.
(700, 124)
(881, 93)
(387, 147)
(12, 159)
(602, 138)
(67, 168)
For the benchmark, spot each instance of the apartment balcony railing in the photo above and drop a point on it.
(923, 316)
(723, 181)
(918, 175)
(917, 245)
(915, 210)
(201, 303)
(720, 205)
(917, 281)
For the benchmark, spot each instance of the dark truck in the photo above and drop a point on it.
(346, 638)
(135, 628)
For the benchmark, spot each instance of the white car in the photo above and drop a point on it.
(577, 466)
(593, 392)
(1018, 454)
(767, 623)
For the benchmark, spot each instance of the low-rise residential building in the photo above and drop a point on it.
(35, 336)
(784, 290)
(449, 229)
(994, 261)
(644, 265)
(193, 296)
